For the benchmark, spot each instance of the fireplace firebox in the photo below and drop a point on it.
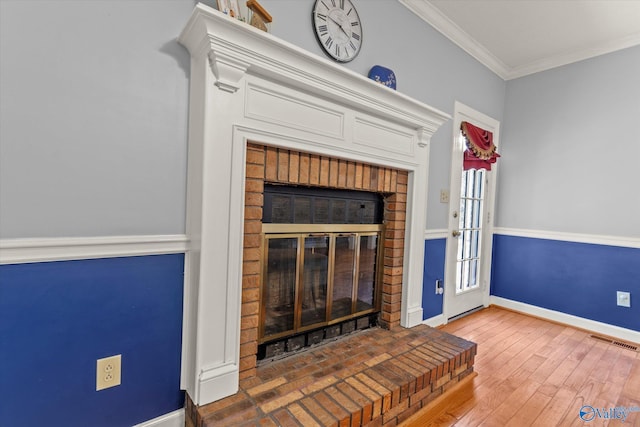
(320, 265)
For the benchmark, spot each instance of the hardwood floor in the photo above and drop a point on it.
(532, 372)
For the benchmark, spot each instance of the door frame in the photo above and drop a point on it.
(462, 113)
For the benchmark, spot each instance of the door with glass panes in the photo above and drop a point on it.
(470, 228)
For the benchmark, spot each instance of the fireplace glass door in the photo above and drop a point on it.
(281, 278)
(315, 278)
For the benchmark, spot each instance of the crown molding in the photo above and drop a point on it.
(432, 15)
(574, 56)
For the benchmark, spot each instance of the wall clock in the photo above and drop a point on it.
(338, 28)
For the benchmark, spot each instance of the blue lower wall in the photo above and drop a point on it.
(574, 278)
(434, 257)
(58, 318)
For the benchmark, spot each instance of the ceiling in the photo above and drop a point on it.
(515, 38)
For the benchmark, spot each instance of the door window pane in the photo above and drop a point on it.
(470, 228)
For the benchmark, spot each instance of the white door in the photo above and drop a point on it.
(470, 232)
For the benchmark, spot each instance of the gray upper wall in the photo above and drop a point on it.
(93, 123)
(570, 148)
(94, 107)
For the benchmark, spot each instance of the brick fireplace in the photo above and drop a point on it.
(263, 110)
(283, 166)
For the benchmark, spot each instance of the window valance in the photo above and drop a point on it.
(480, 152)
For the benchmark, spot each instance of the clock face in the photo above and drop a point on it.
(338, 29)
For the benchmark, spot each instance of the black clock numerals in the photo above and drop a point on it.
(328, 42)
(338, 28)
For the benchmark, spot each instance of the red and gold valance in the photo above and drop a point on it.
(480, 152)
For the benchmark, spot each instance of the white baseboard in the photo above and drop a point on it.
(568, 319)
(414, 317)
(435, 321)
(172, 419)
(216, 383)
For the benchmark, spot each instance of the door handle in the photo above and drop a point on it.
(455, 233)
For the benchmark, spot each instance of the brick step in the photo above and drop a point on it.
(375, 377)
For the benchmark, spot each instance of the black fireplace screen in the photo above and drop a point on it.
(315, 273)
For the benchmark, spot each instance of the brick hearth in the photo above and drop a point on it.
(375, 377)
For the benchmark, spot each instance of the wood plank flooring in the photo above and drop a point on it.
(532, 372)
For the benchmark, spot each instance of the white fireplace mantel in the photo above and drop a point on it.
(247, 85)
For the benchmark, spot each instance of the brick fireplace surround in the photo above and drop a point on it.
(282, 166)
(263, 110)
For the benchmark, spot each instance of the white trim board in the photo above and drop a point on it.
(172, 419)
(568, 319)
(595, 239)
(440, 233)
(20, 251)
(435, 321)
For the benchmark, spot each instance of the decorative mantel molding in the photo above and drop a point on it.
(228, 70)
(247, 85)
(235, 47)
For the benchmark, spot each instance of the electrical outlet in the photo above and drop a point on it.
(444, 196)
(623, 298)
(108, 372)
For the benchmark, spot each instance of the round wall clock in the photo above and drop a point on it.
(338, 29)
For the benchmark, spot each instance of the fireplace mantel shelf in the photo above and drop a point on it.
(249, 86)
(235, 48)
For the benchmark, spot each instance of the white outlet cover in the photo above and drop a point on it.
(624, 298)
(108, 372)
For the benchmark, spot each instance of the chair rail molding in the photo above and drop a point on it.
(594, 239)
(247, 85)
(20, 251)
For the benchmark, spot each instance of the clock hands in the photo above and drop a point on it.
(339, 26)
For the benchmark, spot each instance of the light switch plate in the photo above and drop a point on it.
(108, 372)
